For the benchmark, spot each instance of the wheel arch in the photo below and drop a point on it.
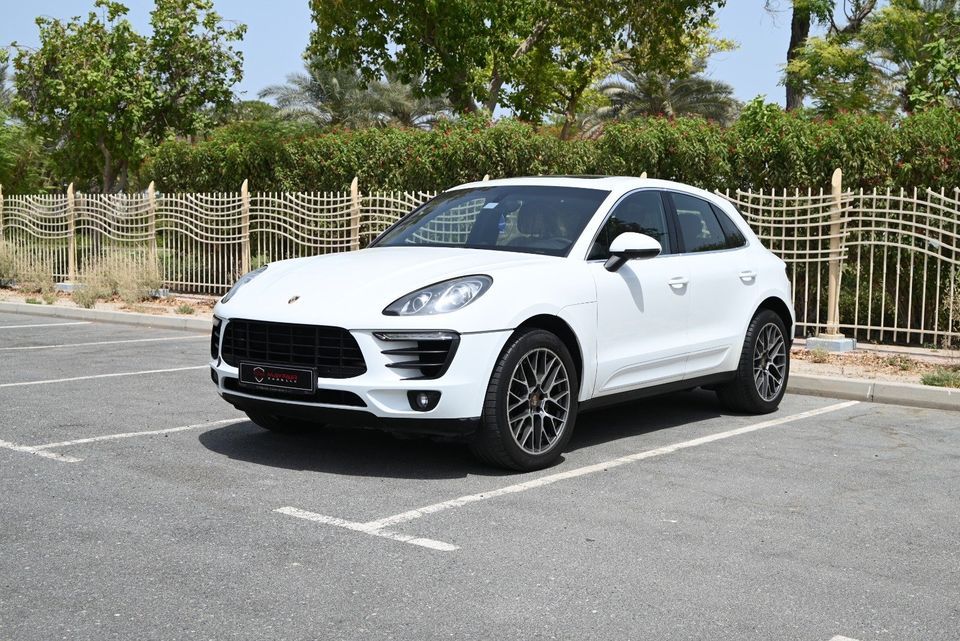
(780, 308)
(559, 327)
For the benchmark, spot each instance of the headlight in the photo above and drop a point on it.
(246, 278)
(448, 296)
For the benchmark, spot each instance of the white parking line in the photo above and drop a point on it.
(42, 450)
(132, 340)
(44, 325)
(87, 378)
(114, 437)
(377, 527)
(367, 529)
(26, 449)
(842, 638)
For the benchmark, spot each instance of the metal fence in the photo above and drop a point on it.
(879, 265)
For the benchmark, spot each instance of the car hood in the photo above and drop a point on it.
(351, 289)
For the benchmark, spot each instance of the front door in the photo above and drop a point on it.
(642, 308)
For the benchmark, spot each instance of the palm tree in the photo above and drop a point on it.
(338, 96)
(323, 96)
(398, 103)
(6, 92)
(632, 94)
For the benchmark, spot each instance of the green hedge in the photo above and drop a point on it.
(767, 148)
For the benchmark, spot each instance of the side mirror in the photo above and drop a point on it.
(628, 246)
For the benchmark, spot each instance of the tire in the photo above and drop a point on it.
(281, 424)
(530, 436)
(761, 381)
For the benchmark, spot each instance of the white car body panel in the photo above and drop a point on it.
(633, 329)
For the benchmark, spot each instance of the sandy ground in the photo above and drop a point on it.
(175, 305)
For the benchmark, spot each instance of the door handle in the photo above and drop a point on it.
(678, 282)
(748, 274)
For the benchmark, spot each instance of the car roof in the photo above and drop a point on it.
(617, 184)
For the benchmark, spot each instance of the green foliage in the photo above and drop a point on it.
(767, 148)
(901, 56)
(101, 94)
(501, 52)
(942, 377)
(929, 149)
(185, 309)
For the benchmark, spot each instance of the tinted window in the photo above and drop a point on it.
(641, 212)
(735, 237)
(699, 227)
(521, 218)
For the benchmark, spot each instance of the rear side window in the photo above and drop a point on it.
(640, 212)
(700, 227)
(735, 237)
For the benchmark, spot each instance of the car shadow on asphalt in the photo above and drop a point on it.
(359, 452)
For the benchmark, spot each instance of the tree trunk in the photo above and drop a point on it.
(109, 177)
(799, 31)
(496, 80)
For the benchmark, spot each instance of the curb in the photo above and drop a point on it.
(108, 316)
(856, 389)
(941, 398)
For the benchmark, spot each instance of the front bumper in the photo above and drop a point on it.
(384, 390)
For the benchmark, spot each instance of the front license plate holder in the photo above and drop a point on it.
(297, 380)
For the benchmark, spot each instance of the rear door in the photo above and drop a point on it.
(722, 288)
(642, 308)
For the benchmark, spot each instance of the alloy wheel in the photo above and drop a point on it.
(769, 362)
(538, 400)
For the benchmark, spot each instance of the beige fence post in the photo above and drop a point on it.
(1, 213)
(486, 177)
(72, 238)
(354, 214)
(643, 176)
(245, 227)
(152, 221)
(833, 286)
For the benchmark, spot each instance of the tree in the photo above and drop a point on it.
(329, 95)
(483, 53)
(633, 94)
(803, 13)
(101, 94)
(6, 93)
(868, 63)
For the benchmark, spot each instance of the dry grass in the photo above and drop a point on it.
(8, 263)
(126, 276)
(36, 277)
(819, 355)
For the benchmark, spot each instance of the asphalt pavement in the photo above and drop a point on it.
(137, 505)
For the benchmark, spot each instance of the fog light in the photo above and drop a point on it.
(423, 401)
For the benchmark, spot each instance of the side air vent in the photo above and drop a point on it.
(420, 355)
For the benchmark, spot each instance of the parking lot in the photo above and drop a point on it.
(138, 505)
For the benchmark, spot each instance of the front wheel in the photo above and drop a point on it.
(763, 369)
(531, 403)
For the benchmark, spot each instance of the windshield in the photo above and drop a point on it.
(520, 218)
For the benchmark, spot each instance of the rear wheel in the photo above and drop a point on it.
(531, 403)
(763, 369)
(281, 424)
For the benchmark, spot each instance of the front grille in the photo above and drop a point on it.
(324, 396)
(215, 338)
(424, 359)
(332, 351)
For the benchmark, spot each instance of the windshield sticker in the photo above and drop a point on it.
(490, 205)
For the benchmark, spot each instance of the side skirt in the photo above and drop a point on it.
(655, 390)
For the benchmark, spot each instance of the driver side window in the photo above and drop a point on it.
(640, 212)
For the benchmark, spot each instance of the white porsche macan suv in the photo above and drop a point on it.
(499, 310)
